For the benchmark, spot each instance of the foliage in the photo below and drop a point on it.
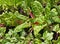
(29, 21)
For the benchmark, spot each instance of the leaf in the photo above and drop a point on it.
(37, 41)
(56, 19)
(2, 31)
(38, 28)
(53, 12)
(56, 27)
(24, 6)
(37, 8)
(7, 43)
(47, 42)
(58, 9)
(47, 9)
(11, 18)
(40, 19)
(19, 16)
(47, 35)
(57, 41)
(22, 26)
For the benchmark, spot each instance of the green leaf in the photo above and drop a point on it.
(19, 16)
(2, 31)
(38, 28)
(56, 27)
(53, 12)
(37, 8)
(56, 19)
(57, 41)
(7, 43)
(37, 41)
(47, 35)
(47, 9)
(47, 42)
(58, 9)
(22, 26)
(40, 19)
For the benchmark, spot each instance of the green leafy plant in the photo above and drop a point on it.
(29, 21)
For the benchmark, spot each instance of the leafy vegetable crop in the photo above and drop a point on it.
(29, 21)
